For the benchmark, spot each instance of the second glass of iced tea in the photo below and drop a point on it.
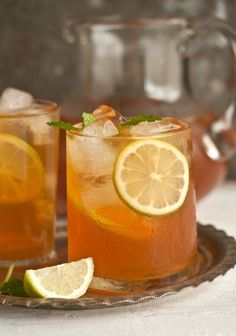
(28, 181)
(131, 200)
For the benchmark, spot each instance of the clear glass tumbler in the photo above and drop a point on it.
(28, 183)
(127, 244)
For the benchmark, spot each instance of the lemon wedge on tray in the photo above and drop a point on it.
(67, 281)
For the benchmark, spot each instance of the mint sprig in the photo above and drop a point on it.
(62, 125)
(12, 286)
(87, 119)
(140, 118)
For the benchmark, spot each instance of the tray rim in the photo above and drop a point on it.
(209, 231)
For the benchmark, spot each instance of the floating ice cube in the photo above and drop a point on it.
(152, 128)
(95, 129)
(101, 128)
(12, 99)
(109, 129)
(93, 155)
(99, 192)
(104, 112)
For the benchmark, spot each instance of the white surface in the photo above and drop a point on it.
(209, 310)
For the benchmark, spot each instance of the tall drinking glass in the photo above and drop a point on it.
(129, 242)
(28, 182)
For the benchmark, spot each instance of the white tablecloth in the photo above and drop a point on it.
(209, 310)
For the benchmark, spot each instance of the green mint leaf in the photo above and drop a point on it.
(14, 287)
(87, 119)
(63, 125)
(137, 119)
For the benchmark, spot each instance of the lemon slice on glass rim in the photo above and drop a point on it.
(21, 170)
(151, 176)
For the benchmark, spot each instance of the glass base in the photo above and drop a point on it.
(29, 262)
(99, 284)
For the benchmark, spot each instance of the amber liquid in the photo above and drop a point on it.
(27, 227)
(127, 245)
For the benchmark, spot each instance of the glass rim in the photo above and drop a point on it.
(119, 22)
(184, 127)
(46, 107)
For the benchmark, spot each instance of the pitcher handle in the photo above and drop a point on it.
(216, 145)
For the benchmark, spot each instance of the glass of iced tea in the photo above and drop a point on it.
(131, 198)
(28, 178)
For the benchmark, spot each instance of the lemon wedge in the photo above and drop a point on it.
(66, 281)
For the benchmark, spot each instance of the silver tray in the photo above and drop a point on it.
(217, 252)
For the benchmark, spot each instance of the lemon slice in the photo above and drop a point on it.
(21, 170)
(152, 177)
(66, 281)
(116, 219)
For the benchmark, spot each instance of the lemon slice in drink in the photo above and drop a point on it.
(152, 177)
(21, 170)
(66, 281)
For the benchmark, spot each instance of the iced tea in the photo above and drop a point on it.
(128, 244)
(28, 178)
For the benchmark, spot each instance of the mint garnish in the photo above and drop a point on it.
(12, 286)
(87, 119)
(140, 118)
(63, 125)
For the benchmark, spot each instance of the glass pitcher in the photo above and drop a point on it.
(146, 67)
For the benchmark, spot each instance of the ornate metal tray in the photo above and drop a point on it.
(217, 253)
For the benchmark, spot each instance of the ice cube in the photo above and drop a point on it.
(104, 112)
(95, 129)
(91, 154)
(99, 192)
(100, 128)
(109, 129)
(12, 99)
(37, 129)
(152, 128)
